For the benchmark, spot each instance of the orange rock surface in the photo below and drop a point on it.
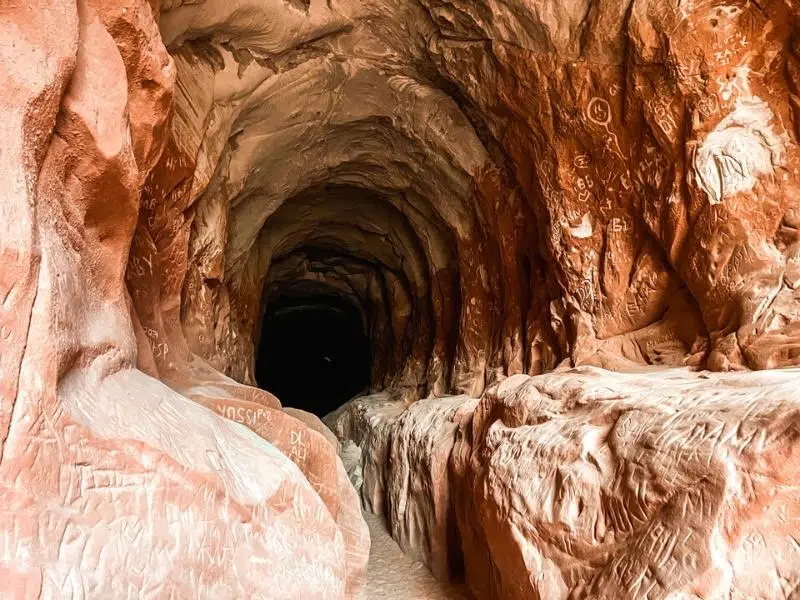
(503, 190)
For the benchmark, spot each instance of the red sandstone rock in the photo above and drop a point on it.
(500, 188)
(112, 483)
(618, 196)
(590, 484)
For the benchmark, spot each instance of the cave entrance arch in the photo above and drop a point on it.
(313, 352)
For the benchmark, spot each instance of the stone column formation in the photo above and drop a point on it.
(500, 187)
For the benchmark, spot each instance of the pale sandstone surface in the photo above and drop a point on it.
(112, 484)
(591, 484)
(500, 187)
(393, 575)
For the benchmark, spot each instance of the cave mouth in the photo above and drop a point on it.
(313, 352)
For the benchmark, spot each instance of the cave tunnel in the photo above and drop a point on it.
(540, 243)
(313, 352)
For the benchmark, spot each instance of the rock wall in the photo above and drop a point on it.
(500, 187)
(659, 148)
(114, 484)
(591, 484)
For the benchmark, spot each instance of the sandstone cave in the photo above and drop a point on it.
(410, 299)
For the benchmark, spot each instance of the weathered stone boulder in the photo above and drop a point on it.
(592, 484)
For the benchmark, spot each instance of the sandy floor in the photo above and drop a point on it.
(394, 576)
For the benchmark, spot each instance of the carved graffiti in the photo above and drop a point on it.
(598, 111)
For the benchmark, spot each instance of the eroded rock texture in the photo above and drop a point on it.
(499, 188)
(113, 483)
(587, 484)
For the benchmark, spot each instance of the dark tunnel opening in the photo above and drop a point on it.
(313, 354)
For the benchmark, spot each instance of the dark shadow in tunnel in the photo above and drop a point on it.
(313, 353)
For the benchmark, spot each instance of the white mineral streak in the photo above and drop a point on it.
(584, 230)
(740, 149)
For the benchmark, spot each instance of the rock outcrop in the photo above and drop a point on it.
(114, 484)
(589, 484)
(500, 188)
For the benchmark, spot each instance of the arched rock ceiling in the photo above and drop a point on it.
(335, 105)
(528, 174)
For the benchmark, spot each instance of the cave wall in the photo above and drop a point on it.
(606, 185)
(113, 482)
(501, 187)
(590, 484)
(661, 143)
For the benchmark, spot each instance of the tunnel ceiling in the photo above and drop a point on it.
(339, 158)
(489, 198)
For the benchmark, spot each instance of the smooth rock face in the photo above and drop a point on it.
(500, 188)
(591, 484)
